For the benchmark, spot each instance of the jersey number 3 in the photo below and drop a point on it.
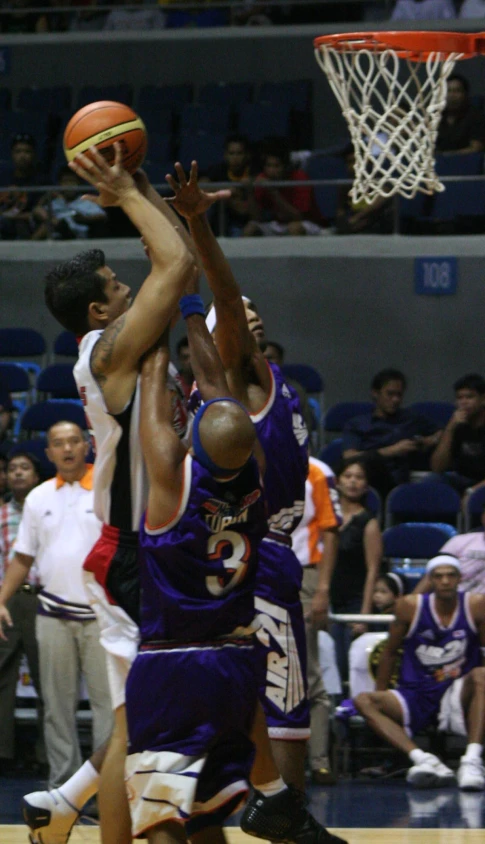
(232, 549)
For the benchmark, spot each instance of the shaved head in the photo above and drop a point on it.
(227, 434)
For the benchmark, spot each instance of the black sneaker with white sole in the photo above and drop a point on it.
(284, 819)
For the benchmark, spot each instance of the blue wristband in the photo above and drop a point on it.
(191, 304)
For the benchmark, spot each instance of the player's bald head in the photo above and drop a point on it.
(226, 434)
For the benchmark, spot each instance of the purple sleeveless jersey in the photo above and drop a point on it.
(198, 571)
(433, 655)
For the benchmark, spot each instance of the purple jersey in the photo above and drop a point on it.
(434, 656)
(198, 569)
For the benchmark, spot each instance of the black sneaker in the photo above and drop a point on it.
(285, 819)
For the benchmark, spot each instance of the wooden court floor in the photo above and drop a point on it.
(90, 835)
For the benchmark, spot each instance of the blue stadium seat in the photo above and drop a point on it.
(460, 199)
(426, 501)
(207, 149)
(156, 97)
(57, 381)
(327, 167)
(40, 416)
(159, 122)
(474, 506)
(93, 93)
(439, 412)
(332, 453)
(23, 343)
(262, 120)
(5, 99)
(462, 164)
(65, 344)
(297, 93)
(340, 413)
(16, 379)
(19, 122)
(231, 94)
(416, 540)
(306, 375)
(204, 117)
(55, 100)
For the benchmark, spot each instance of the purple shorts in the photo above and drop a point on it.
(281, 643)
(420, 706)
(189, 712)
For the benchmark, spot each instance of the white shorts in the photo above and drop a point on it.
(451, 718)
(119, 636)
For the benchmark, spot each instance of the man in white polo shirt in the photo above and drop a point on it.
(58, 529)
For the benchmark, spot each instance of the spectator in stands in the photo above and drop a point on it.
(4, 492)
(23, 474)
(65, 215)
(251, 13)
(441, 678)
(16, 220)
(54, 21)
(56, 533)
(406, 10)
(275, 353)
(388, 588)
(469, 548)
(135, 19)
(236, 168)
(19, 18)
(6, 409)
(472, 9)
(361, 218)
(460, 454)
(462, 126)
(88, 18)
(358, 559)
(282, 211)
(315, 543)
(389, 435)
(184, 365)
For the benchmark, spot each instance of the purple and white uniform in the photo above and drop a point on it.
(434, 660)
(192, 690)
(284, 438)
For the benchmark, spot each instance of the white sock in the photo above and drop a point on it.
(417, 756)
(81, 786)
(269, 789)
(473, 751)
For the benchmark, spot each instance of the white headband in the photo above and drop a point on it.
(210, 319)
(397, 580)
(443, 560)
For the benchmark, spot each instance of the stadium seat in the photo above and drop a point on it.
(57, 381)
(330, 167)
(296, 93)
(206, 148)
(204, 117)
(409, 546)
(158, 122)
(65, 345)
(261, 120)
(40, 416)
(474, 506)
(231, 94)
(23, 343)
(93, 93)
(5, 99)
(332, 453)
(439, 412)
(427, 501)
(306, 375)
(14, 377)
(156, 97)
(47, 100)
(340, 413)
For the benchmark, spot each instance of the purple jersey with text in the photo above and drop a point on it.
(434, 656)
(198, 570)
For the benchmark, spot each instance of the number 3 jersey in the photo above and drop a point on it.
(198, 569)
(434, 655)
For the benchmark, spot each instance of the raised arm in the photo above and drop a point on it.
(235, 342)
(206, 363)
(133, 333)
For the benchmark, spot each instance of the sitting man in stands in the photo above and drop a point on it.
(16, 220)
(460, 453)
(286, 210)
(235, 168)
(390, 434)
(441, 681)
(462, 127)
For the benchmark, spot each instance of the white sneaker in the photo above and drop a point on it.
(471, 775)
(50, 817)
(430, 773)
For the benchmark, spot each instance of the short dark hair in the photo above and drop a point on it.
(82, 431)
(36, 464)
(344, 464)
(236, 138)
(70, 288)
(457, 77)
(276, 147)
(23, 138)
(472, 381)
(184, 341)
(385, 375)
(279, 348)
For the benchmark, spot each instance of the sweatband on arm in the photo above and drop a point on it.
(191, 304)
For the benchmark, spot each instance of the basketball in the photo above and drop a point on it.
(101, 124)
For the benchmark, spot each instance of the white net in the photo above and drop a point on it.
(393, 107)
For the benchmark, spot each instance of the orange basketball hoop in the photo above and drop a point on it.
(391, 87)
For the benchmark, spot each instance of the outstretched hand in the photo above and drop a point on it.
(113, 182)
(190, 200)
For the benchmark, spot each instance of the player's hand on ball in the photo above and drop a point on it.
(190, 200)
(113, 183)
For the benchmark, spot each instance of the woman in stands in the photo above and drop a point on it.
(359, 557)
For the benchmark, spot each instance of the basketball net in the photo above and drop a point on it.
(393, 115)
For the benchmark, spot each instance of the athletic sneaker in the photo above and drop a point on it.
(285, 819)
(50, 817)
(430, 773)
(471, 775)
